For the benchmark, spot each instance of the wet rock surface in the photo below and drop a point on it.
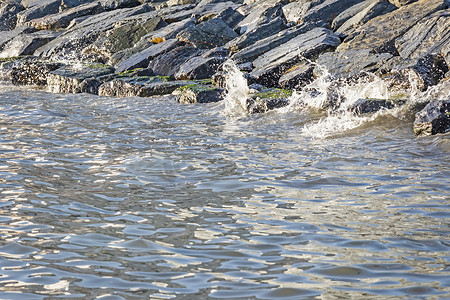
(433, 119)
(146, 48)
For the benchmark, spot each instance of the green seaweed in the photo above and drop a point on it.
(273, 93)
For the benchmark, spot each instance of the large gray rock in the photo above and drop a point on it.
(349, 13)
(298, 76)
(63, 19)
(199, 93)
(433, 119)
(142, 59)
(267, 99)
(7, 36)
(270, 66)
(250, 53)
(209, 34)
(169, 63)
(199, 10)
(261, 23)
(258, 13)
(399, 3)
(79, 80)
(38, 10)
(141, 87)
(68, 46)
(26, 44)
(121, 37)
(349, 63)
(430, 35)
(324, 13)
(374, 9)
(26, 71)
(201, 67)
(116, 4)
(380, 33)
(8, 14)
(295, 10)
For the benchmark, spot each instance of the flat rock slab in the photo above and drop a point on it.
(38, 9)
(270, 66)
(433, 119)
(8, 14)
(349, 63)
(430, 35)
(199, 93)
(168, 64)
(26, 44)
(298, 76)
(63, 19)
(324, 13)
(380, 33)
(7, 36)
(145, 87)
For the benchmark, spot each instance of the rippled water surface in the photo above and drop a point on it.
(147, 198)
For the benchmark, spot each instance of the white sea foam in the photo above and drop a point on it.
(237, 90)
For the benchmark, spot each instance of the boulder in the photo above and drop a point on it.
(295, 10)
(399, 3)
(121, 37)
(268, 99)
(63, 19)
(374, 9)
(350, 63)
(38, 9)
(68, 46)
(431, 68)
(199, 10)
(8, 14)
(116, 4)
(270, 66)
(7, 36)
(433, 119)
(429, 36)
(142, 59)
(349, 13)
(27, 43)
(298, 76)
(250, 53)
(201, 67)
(29, 71)
(199, 93)
(141, 87)
(81, 80)
(209, 34)
(169, 63)
(324, 13)
(380, 33)
(365, 106)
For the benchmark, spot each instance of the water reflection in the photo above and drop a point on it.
(130, 198)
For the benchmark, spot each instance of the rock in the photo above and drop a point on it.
(179, 2)
(199, 93)
(231, 17)
(169, 63)
(121, 37)
(324, 13)
(380, 33)
(209, 34)
(201, 67)
(63, 19)
(141, 87)
(298, 76)
(7, 36)
(270, 66)
(365, 106)
(399, 3)
(262, 22)
(199, 10)
(295, 10)
(433, 119)
(432, 69)
(70, 80)
(374, 9)
(349, 13)
(350, 63)
(142, 59)
(30, 71)
(170, 31)
(116, 4)
(68, 46)
(268, 99)
(430, 35)
(250, 53)
(26, 44)
(38, 10)
(8, 14)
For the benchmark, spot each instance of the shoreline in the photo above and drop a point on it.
(128, 48)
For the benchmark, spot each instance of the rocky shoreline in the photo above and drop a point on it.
(125, 48)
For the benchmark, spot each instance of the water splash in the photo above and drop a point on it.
(237, 90)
